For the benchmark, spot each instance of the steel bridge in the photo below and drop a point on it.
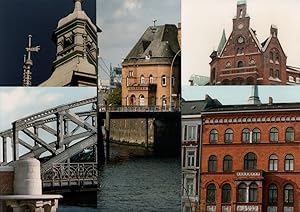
(59, 133)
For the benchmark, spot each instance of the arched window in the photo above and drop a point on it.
(256, 135)
(240, 64)
(253, 192)
(272, 197)
(142, 100)
(132, 100)
(213, 136)
(271, 74)
(290, 134)
(228, 136)
(164, 102)
(164, 80)
(142, 79)
(226, 193)
(250, 161)
(277, 58)
(274, 135)
(273, 163)
(246, 135)
(227, 163)
(211, 194)
(288, 194)
(173, 80)
(242, 193)
(127, 81)
(271, 57)
(289, 163)
(212, 163)
(151, 79)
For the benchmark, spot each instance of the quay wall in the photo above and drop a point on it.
(162, 135)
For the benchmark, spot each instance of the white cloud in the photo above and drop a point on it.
(129, 7)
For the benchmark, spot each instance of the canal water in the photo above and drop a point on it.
(132, 182)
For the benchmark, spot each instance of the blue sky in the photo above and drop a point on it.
(240, 94)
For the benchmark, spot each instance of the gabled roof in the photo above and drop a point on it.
(159, 41)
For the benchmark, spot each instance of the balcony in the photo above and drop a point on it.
(142, 87)
(249, 175)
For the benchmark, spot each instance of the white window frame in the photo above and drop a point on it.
(191, 132)
(164, 80)
(192, 186)
(190, 160)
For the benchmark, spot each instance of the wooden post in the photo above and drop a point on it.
(107, 132)
(146, 134)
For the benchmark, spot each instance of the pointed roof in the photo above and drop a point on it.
(222, 42)
(77, 13)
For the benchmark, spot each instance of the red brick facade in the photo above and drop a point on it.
(242, 59)
(285, 177)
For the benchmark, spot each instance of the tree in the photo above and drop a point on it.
(114, 98)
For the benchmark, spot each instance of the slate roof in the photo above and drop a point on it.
(198, 106)
(158, 42)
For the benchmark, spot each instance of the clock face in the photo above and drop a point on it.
(240, 39)
(240, 26)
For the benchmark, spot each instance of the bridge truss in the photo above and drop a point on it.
(57, 133)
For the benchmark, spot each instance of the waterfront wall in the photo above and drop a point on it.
(133, 131)
(162, 135)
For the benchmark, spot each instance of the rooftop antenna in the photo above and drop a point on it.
(28, 63)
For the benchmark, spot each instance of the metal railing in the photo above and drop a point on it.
(70, 174)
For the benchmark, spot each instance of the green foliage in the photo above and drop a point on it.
(114, 98)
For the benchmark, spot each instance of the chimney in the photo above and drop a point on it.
(273, 31)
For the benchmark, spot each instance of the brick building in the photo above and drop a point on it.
(151, 67)
(242, 59)
(248, 157)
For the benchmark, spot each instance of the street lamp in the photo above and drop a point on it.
(171, 77)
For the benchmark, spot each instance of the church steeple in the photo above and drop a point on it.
(241, 21)
(76, 51)
(241, 10)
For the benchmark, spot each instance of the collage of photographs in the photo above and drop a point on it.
(151, 106)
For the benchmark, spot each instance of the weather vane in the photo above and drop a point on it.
(27, 74)
(154, 25)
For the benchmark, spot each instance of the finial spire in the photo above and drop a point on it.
(254, 98)
(78, 6)
(28, 62)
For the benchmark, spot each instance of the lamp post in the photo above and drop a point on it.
(171, 77)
